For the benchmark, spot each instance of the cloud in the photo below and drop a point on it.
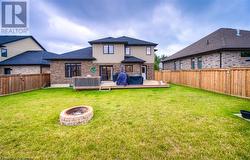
(62, 25)
(61, 34)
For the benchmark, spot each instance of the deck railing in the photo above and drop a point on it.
(232, 81)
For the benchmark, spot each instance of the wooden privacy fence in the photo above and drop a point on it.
(233, 81)
(19, 83)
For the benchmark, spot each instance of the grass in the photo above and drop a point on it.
(171, 123)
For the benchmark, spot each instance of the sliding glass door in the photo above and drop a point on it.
(106, 73)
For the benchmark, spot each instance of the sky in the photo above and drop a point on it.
(66, 25)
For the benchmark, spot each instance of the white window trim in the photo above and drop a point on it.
(149, 50)
(129, 51)
(108, 45)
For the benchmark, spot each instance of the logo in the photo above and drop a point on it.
(14, 17)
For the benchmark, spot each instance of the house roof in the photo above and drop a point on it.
(81, 54)
(132, 59)
(221, 39)
(28, 58)
(124, 40)
(9, 39)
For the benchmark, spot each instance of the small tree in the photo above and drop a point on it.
(157, 62)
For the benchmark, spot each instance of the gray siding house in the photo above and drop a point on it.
(223, 48)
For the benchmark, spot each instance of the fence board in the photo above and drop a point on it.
(233, 81)
(19, 83)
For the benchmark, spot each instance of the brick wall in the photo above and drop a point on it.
(150, 71)
(211, 60)
(57, 69)
(234, 59)
(229, 59)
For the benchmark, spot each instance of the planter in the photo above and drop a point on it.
(245, 114)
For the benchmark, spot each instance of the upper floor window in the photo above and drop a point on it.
(245, 54)
(72, 69)
(148, 50)
(127, 51)
(4, 53)
(199, 63)
(193, 63)
(108, 49)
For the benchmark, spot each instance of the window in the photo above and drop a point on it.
(180, 63)
(7, 71)
(193, 63)
(4, 52)
(199, 63)
(127, 51)
(108, 49)
(128, 68)
(148, 50)
(175, 65)
(72, 69)
(245, 54)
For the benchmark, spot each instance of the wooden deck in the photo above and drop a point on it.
(108, 85)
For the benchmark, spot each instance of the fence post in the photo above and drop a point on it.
(41, 80)
(229, 80)
(200, 78)
(246, 87)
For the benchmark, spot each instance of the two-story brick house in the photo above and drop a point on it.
(223, 48)
(104, 58)
(22, 55)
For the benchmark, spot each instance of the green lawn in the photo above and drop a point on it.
(170, 123)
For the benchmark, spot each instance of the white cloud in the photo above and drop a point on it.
(62, 34)
(173, 48)
(62, 47)
(178, 25)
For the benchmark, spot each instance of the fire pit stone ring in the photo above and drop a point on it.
(76, 115)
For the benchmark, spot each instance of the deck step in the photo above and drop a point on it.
(105, 88)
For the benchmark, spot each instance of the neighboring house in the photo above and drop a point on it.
(29, 62)
(223, 48)
(22, 55)
(104, 58)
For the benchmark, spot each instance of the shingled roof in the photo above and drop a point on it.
(132, 59)
(223, 39)
(81, 54)
(28, 58)
(124, 40)
(8, 39)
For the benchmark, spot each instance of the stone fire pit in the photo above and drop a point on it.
(76, 115)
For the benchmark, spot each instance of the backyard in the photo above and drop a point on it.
(166, 123)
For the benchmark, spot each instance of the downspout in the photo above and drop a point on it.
(220, 60)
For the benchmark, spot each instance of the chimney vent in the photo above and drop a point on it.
(238, 32)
